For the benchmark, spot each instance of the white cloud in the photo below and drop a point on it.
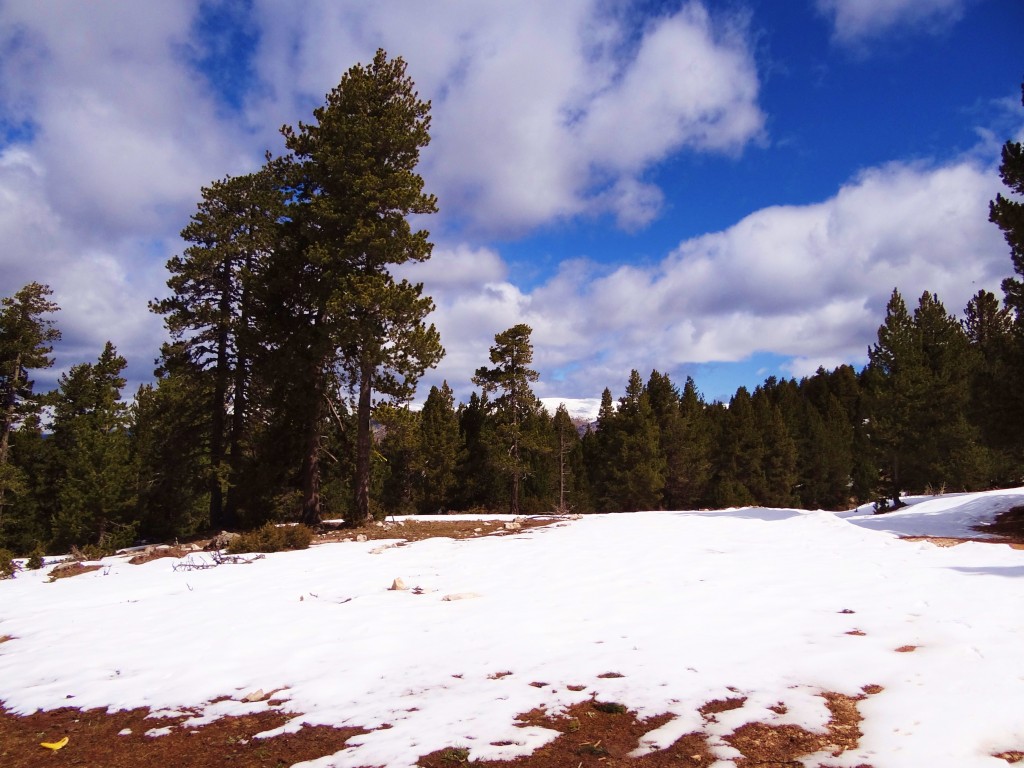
(856, 20)
(541, 111)
(806, 283)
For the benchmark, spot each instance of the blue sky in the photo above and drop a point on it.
(728, 190)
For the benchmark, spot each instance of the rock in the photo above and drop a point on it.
(459, 596)
(361, 537)
(223, 540)
(379, 524)
(513, 526)
(252, 696)
(397, 585)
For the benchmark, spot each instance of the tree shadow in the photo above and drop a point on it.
(1009, 571)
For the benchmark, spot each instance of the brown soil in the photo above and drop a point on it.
(591, 735)
(595, 735)
(93, 741)
(417, 530)
(69, 569)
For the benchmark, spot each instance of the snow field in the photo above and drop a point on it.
(686, 607)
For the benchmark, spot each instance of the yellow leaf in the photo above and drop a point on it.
(54, 745)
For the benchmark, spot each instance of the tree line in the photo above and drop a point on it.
(283, 391)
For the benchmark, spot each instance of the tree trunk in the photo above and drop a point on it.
(311, 472)
(311, 456)
(218, 520)
(364, 443)
(240, 403)
(561, 470)
(514, 502)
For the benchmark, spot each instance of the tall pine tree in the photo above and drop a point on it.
(355, 182)
(510, 378)
(26, 341)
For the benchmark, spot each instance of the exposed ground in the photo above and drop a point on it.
(592, 734)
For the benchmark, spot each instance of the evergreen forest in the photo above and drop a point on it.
(283, 391)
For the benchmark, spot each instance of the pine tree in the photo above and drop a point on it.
(26, 341)
(738, 478)
(355, 182)
(989, 329)
(439, 441)
(27, 518)
(568, 451)
(638, 467)
(919, 398)
(511, 356)
(949, 454)
(694, 468)
(399, 454)
(211, 311)
(779, 457)
(96, 487)
(169, 441)
(897, 386)
(477, 485)
(600, 452)
(1008, 214)
(666, 409)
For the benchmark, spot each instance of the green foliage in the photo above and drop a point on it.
(1008, 214)
(571, 477)
(211, 318)
(439, 444)
(355, 187)
(513, 408)
(7, 565)
(919, 396)
(610, 707)
(401, 454)
(454, 755)
(1006, 367)
(273, 538)
(26, 341)
(96, 489)
(35, 558)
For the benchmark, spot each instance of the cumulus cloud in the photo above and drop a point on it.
(808, 284)
(857, 20)
(541, 111)
(117, 134)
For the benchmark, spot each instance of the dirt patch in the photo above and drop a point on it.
(155, 553)
(589, 737)
(783, 745)
(591, 734)
(94, 739)
(417, 530)
(712, 708)
(68, 569)
(1012, 757)
(594, 734)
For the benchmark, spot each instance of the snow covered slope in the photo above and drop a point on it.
(686, 606)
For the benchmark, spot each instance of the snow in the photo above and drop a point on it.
(686, 606)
